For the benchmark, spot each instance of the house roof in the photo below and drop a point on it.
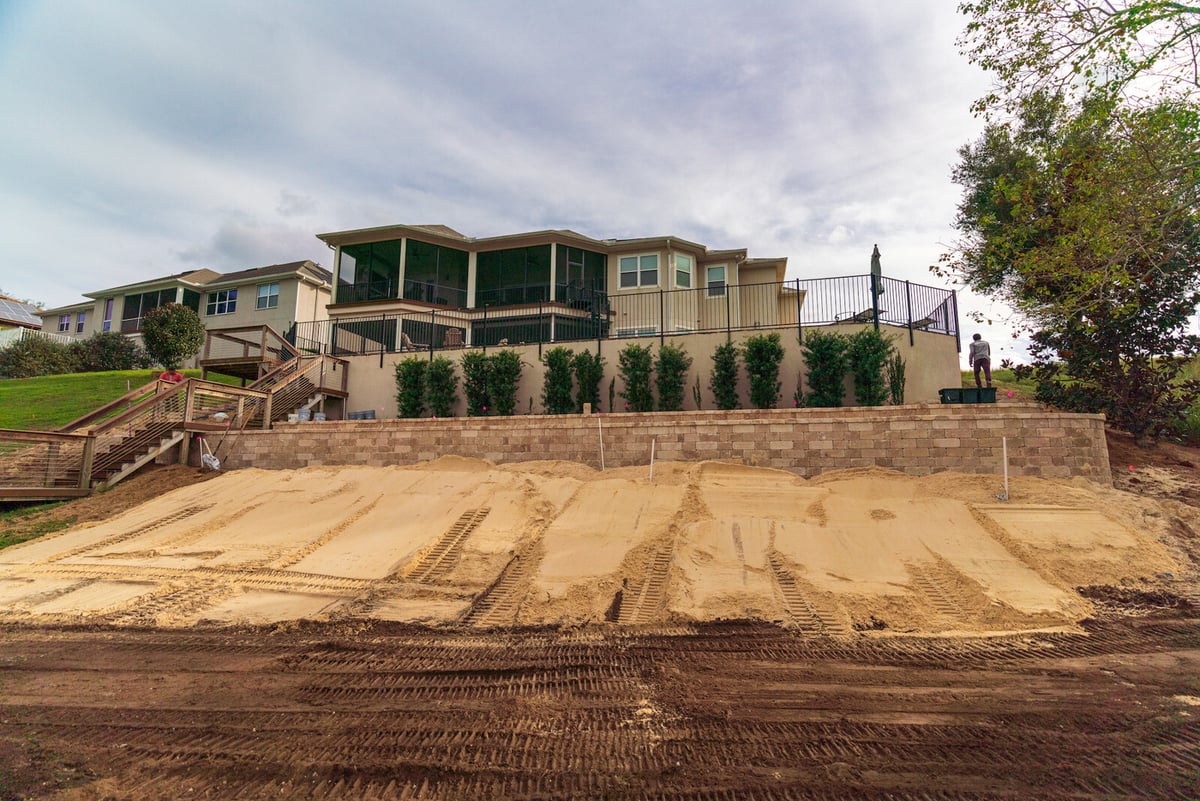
(69, 309)
(204, 278)
(19, 313)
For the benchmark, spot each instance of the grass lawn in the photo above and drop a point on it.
(50, 401)
(1005, 382)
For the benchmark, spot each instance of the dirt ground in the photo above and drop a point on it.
(726, 709)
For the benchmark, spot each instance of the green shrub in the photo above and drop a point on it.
(503, 377)
(441, 387)
(556, 392)
(635, 361)
(589, 370)
(895, 370)
(670, 369)
(108, 350)
(825, 360)
(172, 334)
(476, 366)
(724, 380)
(762, 355)
(696, 394)
(410, 386)
(36, 355)
(868, 351)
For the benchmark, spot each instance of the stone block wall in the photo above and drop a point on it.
(918, 440)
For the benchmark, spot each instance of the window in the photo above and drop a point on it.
(435, 274)
(64, 323)
(683, 271)
(268, 296)
(108, 308)
(370, 271)
(512, 277)
(136, 307)
(223, 301)
(80, 319)
(716, 281)
(639, 270)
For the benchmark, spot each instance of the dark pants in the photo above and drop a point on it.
(986, 366)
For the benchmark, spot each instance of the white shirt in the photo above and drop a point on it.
(980, 349)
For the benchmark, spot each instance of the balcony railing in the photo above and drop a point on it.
(588, 314)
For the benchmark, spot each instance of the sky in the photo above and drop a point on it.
(148, 138)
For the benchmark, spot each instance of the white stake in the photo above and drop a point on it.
(1004, 445)
(600, 429)
(653, 442)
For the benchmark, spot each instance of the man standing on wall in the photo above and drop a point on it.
(980, 356)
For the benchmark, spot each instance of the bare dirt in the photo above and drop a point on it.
(1064, 663)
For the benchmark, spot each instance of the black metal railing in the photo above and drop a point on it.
(439, 294)
(588, 314)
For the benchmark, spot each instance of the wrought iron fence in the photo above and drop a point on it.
(593, 314)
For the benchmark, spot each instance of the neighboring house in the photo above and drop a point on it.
(279, 296)
(551, 285)
(16, 318)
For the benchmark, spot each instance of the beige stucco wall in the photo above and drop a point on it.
(932, 363)
(918, 440)
(293, 299)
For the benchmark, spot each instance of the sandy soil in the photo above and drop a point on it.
(461, 541)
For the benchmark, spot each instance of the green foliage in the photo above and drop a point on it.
(612, 394)
(35, 355)
(696, 394)
(634, 364)
(476, 366)
(763, 353)
(670, 368)
(894, 372)
(410, 386)
(441, 387)
(1087, 220)
(503, 377)
(172, 334)
(867, 353)
(589, 370)
(1125, 48)
(108, 350)
(826, 361)
(556, 391)
(724, 380)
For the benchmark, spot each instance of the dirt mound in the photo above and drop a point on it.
(464, 542)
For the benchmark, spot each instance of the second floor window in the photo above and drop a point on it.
(683, 271)
(64, 323)
(268, 296)
(223, 301)
(79, 321)
(639, 270)
(716, 281)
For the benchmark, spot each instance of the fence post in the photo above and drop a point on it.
(875, 299)
(728, 318)
(957, 334)
(662, 320)
(432, 330)
(85, 469)
(799, 313)
(542, 322)
(485, 329)
(908, 301)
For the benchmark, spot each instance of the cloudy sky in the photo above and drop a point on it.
(146, 138)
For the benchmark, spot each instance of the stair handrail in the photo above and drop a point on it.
(124, 400)
(279, 343)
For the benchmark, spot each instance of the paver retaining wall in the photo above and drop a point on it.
(917, 439)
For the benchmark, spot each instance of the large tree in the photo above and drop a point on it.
(173, 334)
(1133, 49)
(1086, 219)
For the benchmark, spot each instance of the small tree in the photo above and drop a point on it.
(671, 367)
(635, 361)
(410, 387)
(868, 351)
(825, 361)
(589, 370)
(556, 392)
(475, 366)
(441, 387)
(724, 380)
(762, 356)
(503, 378)
(173, 334)
(895, 370)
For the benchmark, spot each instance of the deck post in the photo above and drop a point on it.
(85, 467)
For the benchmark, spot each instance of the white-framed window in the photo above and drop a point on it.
(64, 324)
(268, 296)
(80, 319)
(683, 271)
(223, 301)
(638, 270)
(716, 281)
(108, 310)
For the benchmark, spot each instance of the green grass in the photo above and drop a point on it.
(51, 401)
(14, 528)
(1004, 381)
